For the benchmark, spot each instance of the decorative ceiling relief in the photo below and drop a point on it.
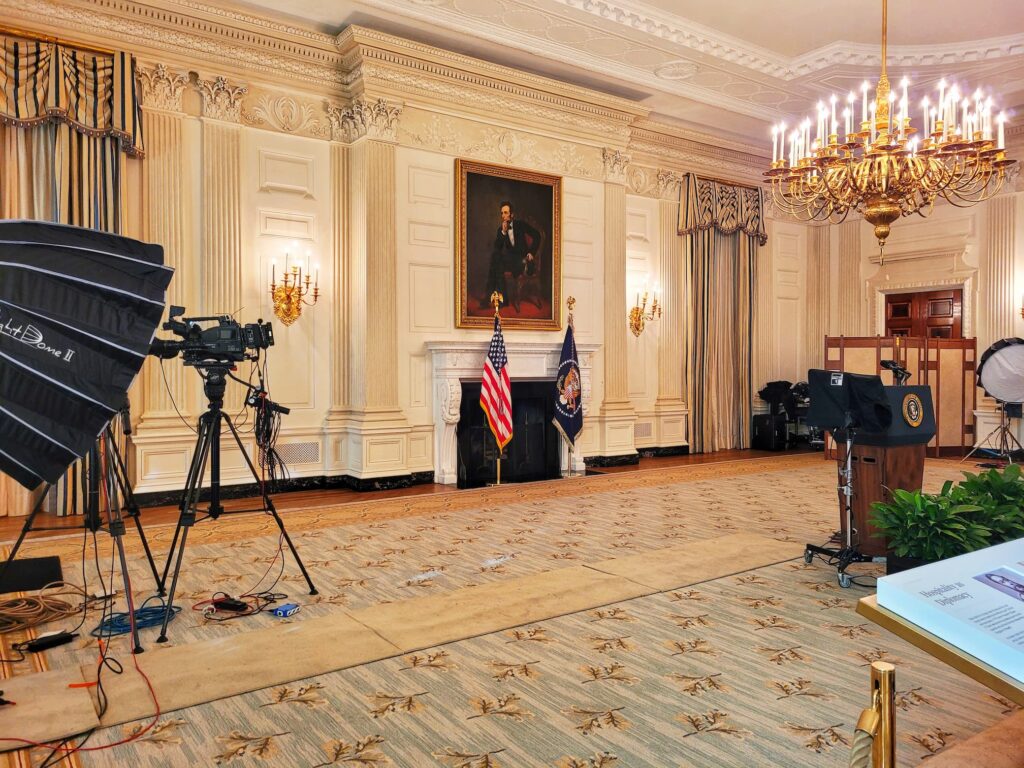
(463, 138)
(677, 70)
(287, 115)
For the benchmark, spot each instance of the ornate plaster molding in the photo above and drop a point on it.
(221, 101)
(162, 89)
(188, 31)
(466, 138)
(615, 162)
(376, 120)
(706, 41)
(287, 115)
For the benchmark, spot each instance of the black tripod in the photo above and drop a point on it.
(847, 554)
(106, 480)
(207, 450)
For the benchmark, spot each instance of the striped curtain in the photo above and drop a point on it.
(68, 120)
(724, 225)
(69, 117)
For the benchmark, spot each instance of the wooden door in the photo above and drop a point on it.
(933, 314)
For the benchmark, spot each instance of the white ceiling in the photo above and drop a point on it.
(722, 67)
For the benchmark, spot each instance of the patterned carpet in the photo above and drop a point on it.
(765, 668)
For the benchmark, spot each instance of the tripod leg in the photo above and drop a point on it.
(269, 505)
(132, 506)
(169, 607)
(115, 524)
(189, 496)
(24, 532)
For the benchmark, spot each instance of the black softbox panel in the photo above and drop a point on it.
(78, 309)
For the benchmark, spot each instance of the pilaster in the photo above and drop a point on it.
(851, 299)
(617, 414)
(371, 433)
(817, 303)
(670, 407)
(996, 272)
(168, 222)
(162, 438)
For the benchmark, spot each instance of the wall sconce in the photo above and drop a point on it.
(292, 292)
(639, 315)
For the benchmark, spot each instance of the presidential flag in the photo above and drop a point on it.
(496, 390)
(569, 395)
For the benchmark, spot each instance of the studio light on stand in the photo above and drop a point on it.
(1001, 375)
(77, 311)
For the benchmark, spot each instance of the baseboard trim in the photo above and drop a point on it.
(668, 450)
(319, 482)
(612, 461)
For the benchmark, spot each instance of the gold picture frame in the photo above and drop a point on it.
(524, 264)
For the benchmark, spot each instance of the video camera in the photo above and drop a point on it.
(225, 343)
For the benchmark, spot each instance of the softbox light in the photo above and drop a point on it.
(1001, 370)
(78, 309)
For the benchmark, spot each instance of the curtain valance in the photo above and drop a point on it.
(95, 94)
(705, 203)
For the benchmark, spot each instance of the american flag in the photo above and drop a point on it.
(496, 390)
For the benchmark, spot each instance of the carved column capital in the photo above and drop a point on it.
(161, 89)
(668, 184)
(615, 162)
(376, 120)
(221, 100)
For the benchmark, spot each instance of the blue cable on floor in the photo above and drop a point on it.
(145, 616)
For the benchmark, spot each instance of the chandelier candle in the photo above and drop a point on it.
(886, 167)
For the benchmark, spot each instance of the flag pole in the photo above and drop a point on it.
(570, 304)
(496, 299)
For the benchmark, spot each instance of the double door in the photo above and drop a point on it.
(931, 314)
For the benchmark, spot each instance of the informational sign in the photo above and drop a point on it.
(974, 602)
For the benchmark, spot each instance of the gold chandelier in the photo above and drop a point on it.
(882, 166)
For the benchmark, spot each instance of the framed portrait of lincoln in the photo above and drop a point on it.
(509, 224)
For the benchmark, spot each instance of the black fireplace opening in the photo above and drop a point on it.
(533, 452)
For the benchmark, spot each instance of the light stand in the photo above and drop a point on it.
(207, 450)
(1006, 438)
(106, 469)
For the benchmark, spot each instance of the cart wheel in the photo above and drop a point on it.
(845, 581)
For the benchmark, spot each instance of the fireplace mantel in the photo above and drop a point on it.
(453, 362)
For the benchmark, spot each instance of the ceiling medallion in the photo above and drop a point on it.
(882, 166)
(677, 70)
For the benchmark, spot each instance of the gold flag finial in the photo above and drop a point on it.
(496, 299)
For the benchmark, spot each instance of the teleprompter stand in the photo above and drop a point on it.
(847, 554)
(207, 451)
(845, 403)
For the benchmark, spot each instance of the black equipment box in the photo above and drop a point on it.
(769, 432)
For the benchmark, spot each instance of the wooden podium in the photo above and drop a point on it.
(885, 461)
(876, 469)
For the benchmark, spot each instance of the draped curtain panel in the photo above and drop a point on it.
(68, 121)
(723, 225)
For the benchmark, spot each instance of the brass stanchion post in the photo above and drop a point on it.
(883, 688)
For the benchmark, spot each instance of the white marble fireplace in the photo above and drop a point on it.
(456, 361)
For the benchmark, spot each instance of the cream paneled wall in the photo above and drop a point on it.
(265, 139)
(643, 270)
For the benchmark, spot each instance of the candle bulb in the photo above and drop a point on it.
(846, 125)
(864, 101)
(1001, 122)
(833, 99)
(873, 125)
(775, 145)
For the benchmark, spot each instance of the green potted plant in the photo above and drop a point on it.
(982, 510)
